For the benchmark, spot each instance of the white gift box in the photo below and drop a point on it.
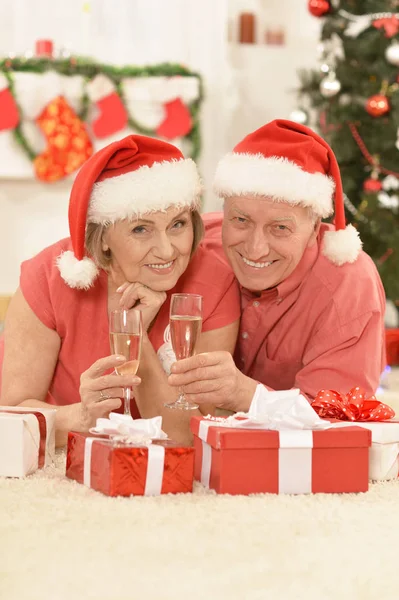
(27, 439)
(384, 451)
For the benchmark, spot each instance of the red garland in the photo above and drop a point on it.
(366, 153)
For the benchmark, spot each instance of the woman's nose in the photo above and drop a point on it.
(163, 248)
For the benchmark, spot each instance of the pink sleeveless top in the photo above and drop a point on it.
(80, 317)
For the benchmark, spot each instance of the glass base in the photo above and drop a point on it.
(182, 405)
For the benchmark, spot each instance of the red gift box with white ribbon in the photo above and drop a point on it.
(291, 461)
(122, 469)
(27, 439)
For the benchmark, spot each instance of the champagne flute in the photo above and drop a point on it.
(185, 329)
(125, 334)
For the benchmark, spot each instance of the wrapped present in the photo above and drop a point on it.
(280, 446)
(372, 414)
(124, 457)
(27, 439)
(392, 346)
(384, 451)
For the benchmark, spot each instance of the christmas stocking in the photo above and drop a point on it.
(112, 113)
(68, 143)
(9, 116)
(177, 122)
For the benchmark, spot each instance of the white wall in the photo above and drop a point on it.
(246, 86)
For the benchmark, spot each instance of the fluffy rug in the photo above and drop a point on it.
(60, 540)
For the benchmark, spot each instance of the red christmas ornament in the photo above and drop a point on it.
(319, 8)
(377, 105)
(372, 185)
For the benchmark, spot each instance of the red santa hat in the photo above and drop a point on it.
(124, 180)
(291, 163)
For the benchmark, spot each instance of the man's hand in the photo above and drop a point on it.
(213, 378)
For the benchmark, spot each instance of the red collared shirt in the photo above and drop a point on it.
(322, 327)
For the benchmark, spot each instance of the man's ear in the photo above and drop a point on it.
(315, 232)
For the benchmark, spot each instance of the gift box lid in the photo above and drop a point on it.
(227, 438)
(383, 432)
(120, 445)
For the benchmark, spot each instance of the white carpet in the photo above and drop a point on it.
(62, 541)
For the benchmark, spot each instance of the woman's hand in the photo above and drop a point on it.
(139, 296)
(100, 394)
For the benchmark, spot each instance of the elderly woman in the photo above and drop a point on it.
(135, 238)
(312, 302)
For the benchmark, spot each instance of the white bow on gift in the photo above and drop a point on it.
(283, 409)
(125, 429)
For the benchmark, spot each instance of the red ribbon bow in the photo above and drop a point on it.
(352, 407)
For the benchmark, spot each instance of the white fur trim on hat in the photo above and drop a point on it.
(99, 87)
(76, 273)
(148, 189)
(3, 82)
(342, 246)
(240, 174)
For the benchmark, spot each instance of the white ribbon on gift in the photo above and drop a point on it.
(139, 432)
(286, 411)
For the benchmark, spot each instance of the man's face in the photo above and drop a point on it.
(264, 240)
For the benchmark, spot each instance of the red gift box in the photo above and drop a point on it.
(116, 469)
(392, 346)
(247, 461)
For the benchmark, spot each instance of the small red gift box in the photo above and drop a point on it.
(115, 469)
(392, 346)
(247, 461)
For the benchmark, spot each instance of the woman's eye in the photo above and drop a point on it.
(179, 224)
(139, 229)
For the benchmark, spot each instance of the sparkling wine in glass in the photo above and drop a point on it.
(125, 334)
(185, 329)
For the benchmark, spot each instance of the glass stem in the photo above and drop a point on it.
(126, 401)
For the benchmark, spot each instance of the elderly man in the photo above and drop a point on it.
(312, 301)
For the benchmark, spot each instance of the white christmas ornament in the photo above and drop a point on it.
(299, 116)
(392, 54)
(330, 86)
(390, 183)
(387, 201)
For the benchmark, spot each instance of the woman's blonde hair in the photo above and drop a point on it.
(103, 258)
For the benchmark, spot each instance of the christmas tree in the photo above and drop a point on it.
(353, 102)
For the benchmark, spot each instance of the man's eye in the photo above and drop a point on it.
(241, 219)
(281, 230)
(139, 229)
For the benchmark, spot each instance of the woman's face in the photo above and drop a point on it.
(154, 250)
